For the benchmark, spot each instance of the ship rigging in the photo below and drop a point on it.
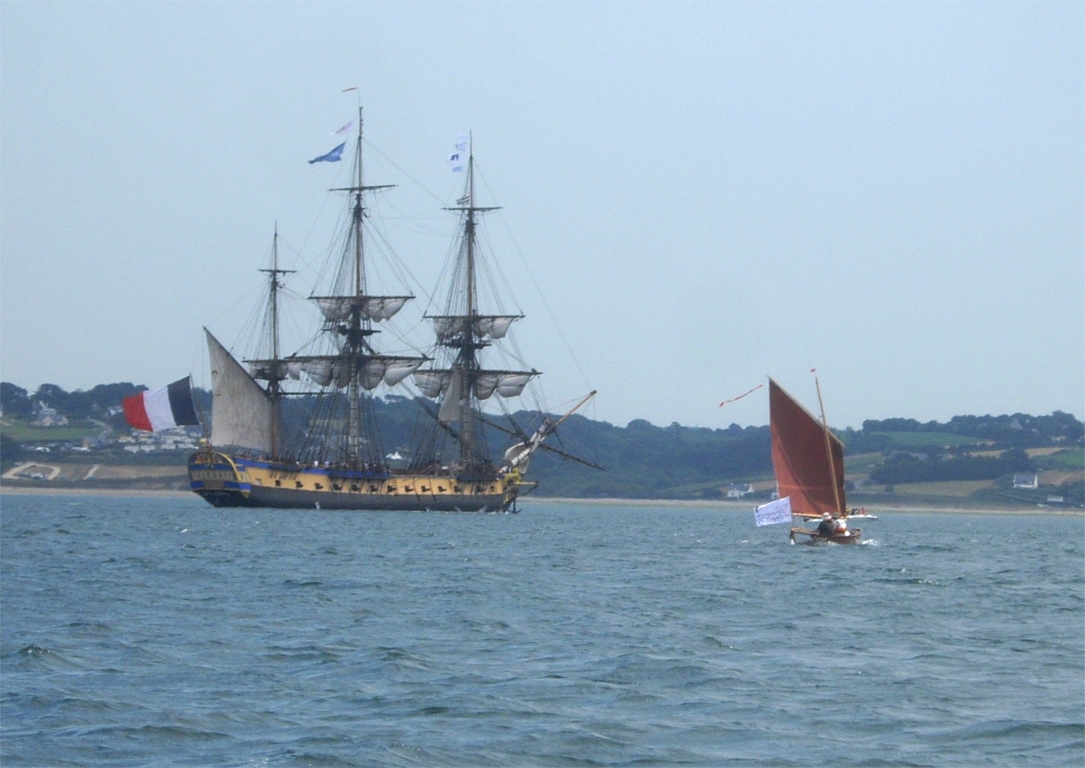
(328, 451)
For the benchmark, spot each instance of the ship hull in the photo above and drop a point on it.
(229, 481)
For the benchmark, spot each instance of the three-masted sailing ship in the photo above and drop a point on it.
(333, 457)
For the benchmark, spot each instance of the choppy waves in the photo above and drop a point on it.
(157, 631)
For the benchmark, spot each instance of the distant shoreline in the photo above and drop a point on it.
(872, 509)
(879, 509)
(16, 490)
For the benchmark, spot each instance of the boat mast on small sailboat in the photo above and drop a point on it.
(808, 461)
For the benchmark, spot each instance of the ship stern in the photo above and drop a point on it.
(216, 478)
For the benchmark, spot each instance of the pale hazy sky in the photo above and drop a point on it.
(704, 193)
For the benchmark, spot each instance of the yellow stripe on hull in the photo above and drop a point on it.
(226, 481)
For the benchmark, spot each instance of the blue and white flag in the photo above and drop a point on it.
(456, 158)
(332, 157)
(774, 513)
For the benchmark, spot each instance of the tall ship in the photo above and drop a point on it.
(302, 430)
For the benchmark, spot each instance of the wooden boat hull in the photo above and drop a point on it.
(853, 538)
(229, 481)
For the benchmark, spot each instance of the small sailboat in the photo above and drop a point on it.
(808, 461)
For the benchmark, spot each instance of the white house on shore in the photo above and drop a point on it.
(738, 490)
(1025, 480)
(45, 416)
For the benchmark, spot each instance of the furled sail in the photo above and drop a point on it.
(390, 370)
(337, 309)
(325, 371)
(432, 383)
(261, 369)
(485, 326)
(506, 383)
(804, 470)
(241, 412)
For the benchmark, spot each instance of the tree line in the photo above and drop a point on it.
(1016, 430)
(642, 460)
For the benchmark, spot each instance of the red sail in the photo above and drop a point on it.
(800, 459)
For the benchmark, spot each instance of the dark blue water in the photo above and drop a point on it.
(164, 632)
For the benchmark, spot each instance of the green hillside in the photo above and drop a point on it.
(641, 460)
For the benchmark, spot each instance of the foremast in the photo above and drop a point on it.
(464, 331)
(470, 342)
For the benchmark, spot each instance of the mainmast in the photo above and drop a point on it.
(360, 325)
(350, 315)
(360, 328)
(359, 271)
(343, 427)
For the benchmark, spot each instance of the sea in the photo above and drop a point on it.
(147, 631)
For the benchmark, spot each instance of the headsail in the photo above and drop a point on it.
(518, 455)
(804, 470)
(242, 414)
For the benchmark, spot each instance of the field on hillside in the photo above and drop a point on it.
(950, 489)
(904, 440)
(25, 433)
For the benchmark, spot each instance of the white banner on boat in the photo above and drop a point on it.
(774, 512)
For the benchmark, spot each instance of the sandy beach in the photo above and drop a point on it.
(15, 490)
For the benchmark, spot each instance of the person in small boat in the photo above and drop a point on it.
(827, 527)
(842, 526)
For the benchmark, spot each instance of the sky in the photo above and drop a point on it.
(695, 196)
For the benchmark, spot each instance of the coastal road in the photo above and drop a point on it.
(50, 472)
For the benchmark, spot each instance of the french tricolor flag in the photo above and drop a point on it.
(162, 408)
